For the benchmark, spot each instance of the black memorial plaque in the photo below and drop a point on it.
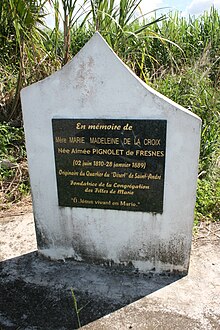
(110, 163)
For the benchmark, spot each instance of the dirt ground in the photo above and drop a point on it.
(187, 303)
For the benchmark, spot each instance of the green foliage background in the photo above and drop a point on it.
(177, 56)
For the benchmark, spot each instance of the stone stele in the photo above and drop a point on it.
(97, 84)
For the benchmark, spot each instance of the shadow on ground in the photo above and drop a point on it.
(36, 292)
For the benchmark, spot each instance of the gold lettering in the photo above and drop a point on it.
(128, 204)
(81, 151)
(63, 151)
(140, 176)
(101, 191)
(127, 141)
(129, 152)
(102, 202)
(86, 163)
(76, 139)
(104, 140)
(127, 127)
(113, 152)
(94, 174)
(59, 139)
(154, 177)
(152, 142)
(85, 201)
(80, 126)
(150, 153)
(119, 175)
(68, 173)
(137, 142)
(124, 192)
(88, 190)
(126, 165)
(130, 186)
(83, 183)
(112, 127)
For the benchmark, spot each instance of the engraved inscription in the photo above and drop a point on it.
(110, 163)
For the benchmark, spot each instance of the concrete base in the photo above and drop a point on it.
(35, 293)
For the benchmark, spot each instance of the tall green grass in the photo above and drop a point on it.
(195, 91)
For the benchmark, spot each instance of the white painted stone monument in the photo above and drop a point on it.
(113, 165)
